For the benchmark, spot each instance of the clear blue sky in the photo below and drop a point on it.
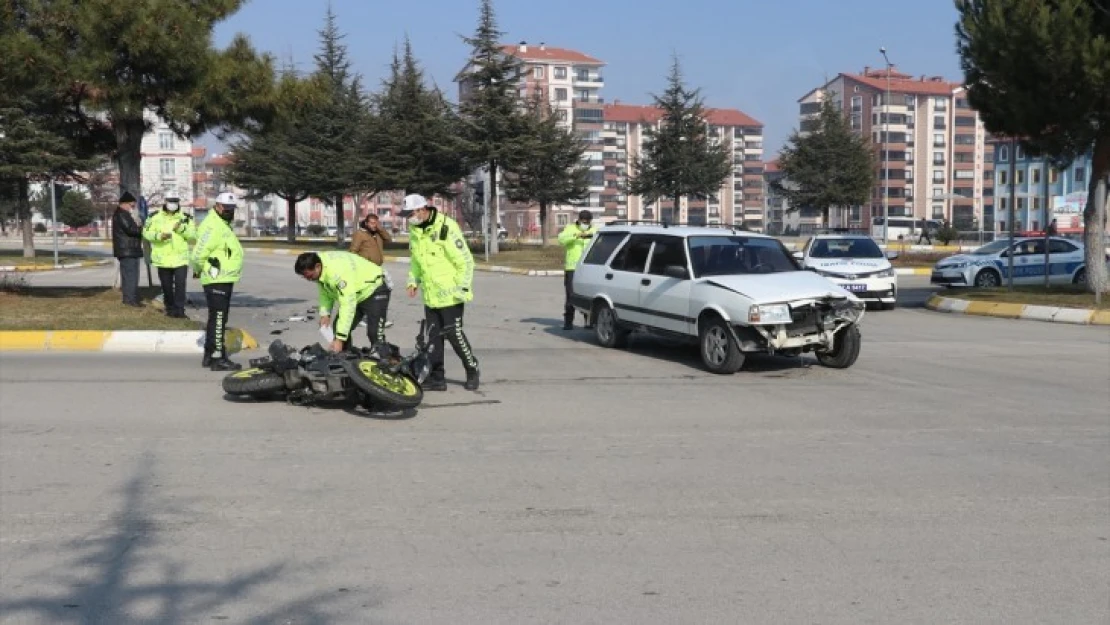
(755, 55)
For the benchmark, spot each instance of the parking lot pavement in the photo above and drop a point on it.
(956, 473)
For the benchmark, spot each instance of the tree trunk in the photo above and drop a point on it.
(23, 212)
(1094, 219)
(129, 142)
(543, 224)
(491, 199)
(676, 211)
(339, 227)
(290, 218)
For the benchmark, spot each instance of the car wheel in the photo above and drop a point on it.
(988, 279)
(607, 328)
(1080, 277)
(719, 351)
(845, 349)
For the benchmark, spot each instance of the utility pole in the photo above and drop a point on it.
(886, 153)
(1010, 217)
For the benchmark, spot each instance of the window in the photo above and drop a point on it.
(938, 123)
(1021, 203)
(560, 73)
(1080, 174)
(1019, 176)
(911, 100)
(1019, 153)
(938, 192)
(603, 247)
(938, 176)
(857, 103)
(1003, 177)
(965, 120)
(1029, 248)
(1003, 154)
(940, 103)
(733, 255)
(858, 247)
(1035, 175)
(964, 174)
(1056, 246)
(165, 140)
(1053, 175)
(938, 157)
(537, 71)
(562, 219)
(938, 139)
(1036, 205)
(560, 94)
(668, 251)
(634, 255)
(167, 167)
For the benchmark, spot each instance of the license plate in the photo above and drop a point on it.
(855, 287)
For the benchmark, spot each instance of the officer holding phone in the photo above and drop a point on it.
(574, 238)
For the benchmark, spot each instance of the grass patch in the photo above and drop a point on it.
(1067, 296)
(25, 307)
(919, 259)
(42, 258)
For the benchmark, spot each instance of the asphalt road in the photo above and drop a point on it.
(957, 473)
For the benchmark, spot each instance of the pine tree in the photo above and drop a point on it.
(549, 171)
(678, 159)
(282, 156)
(124, 59)
(830, 166)
(494, 126)
(417, 145)
(1041, 71)
(337, 123)
(76, 209)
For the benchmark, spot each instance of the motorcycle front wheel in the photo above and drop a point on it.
(396, 389)
(253, 382)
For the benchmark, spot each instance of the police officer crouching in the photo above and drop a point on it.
(360, 288)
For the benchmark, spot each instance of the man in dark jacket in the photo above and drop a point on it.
(127, 246)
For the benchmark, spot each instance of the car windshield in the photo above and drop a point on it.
(731, 255)
(994, 247)
(846, 248)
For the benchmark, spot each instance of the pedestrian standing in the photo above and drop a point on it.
(442, 268)
(170, 232)
(370, 239)
(574, 238)
(217, 260)
(127, 247)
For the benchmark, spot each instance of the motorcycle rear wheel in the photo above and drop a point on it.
(253, 382)
(396, 389)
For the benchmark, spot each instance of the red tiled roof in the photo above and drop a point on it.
(635, 113)
(771, 166)
(220, 160)
(548, 53)
(904, 83)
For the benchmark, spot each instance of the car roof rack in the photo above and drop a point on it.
(672, 224)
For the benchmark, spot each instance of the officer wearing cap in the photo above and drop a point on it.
(442, 268)
(170, 232)
(574, 238)
(218, 261)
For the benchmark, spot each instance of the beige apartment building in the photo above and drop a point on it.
(740, 199)
(931, 146)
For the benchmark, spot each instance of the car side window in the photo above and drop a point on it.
(603, 248)
(1056, 246)
(668, 251)
(634, 255)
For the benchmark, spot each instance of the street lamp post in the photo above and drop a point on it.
(886, 152)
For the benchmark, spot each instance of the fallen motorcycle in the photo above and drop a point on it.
(379, 378)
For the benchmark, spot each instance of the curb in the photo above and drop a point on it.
(31, 268)
(120, 342)
(1030, 312)
(913, 271)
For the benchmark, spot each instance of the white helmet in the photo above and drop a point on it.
(227, 199)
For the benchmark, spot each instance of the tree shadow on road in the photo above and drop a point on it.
(669, 350)
(126, 574)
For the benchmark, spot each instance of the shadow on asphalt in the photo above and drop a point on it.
(351, 408)
(670, 350)
(126, 568)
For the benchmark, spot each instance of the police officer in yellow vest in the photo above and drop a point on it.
(575, 237)
(170, 232)
(360, 288)
(217, 259)
(442, 268)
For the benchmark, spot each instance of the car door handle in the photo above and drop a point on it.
(608, 276)
(645, 282)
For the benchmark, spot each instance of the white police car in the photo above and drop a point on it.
(855, 263)
(988, 266)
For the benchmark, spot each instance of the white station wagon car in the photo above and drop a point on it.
(989, 266)
(734, 292)
(855, 262)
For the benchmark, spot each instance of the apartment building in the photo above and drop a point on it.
(1035, 184)
(167, 163)
(740, 199)
(933, 160)
(571, 82)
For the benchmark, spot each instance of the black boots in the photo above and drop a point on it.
(471, 380)
(438, 383)
(219, 364)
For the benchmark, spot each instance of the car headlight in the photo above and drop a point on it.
(770, 313)
(953, 266)
(886, 273)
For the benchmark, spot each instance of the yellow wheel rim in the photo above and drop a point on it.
(400, 384)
